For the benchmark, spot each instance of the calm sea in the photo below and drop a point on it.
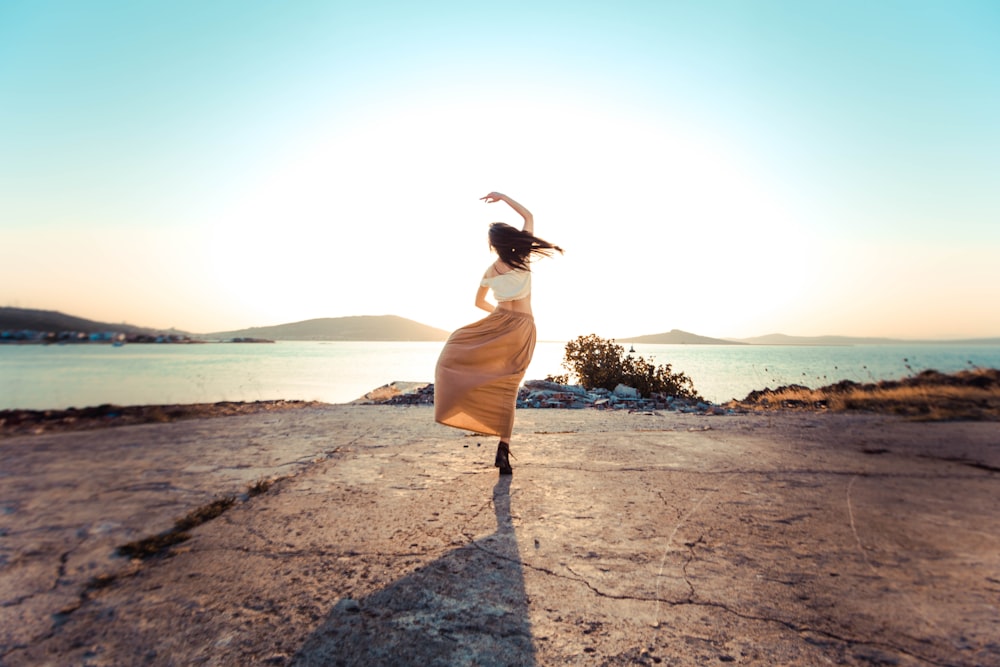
(61, 376)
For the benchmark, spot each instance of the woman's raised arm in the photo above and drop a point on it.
(529, 220)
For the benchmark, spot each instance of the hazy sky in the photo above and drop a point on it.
(726, 168)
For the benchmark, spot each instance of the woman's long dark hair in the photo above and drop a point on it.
(516, 248)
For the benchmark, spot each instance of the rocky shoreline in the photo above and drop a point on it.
(533, 394)
(542, 394)
(36, 422)
(931, 395)
(965, 395)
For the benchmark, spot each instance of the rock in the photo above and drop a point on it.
(544, 385)
(400, 393)
(626, 392)
(347, 605)
(545, 394)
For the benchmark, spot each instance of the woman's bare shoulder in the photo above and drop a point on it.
(497, 268)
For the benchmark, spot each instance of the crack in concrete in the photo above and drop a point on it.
(321, 553)
(60, 573)
(83, 595)
(776, 472)
(804, 629)
(690, 559)
(915, 605)
(144, 486)
(979, 465)
(60, 617)
(673, 533)
(692, 600)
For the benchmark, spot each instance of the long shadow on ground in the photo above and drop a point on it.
(469, 607)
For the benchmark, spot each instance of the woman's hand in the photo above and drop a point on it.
(529, 221)
(493, 198)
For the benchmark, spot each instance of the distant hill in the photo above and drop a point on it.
(359, 327)
(29, 319)
(782, 339)
(971, 341)
(362, 327)
(678, 337)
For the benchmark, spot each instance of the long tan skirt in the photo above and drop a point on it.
(479, 372)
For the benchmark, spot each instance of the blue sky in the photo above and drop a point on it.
(726, 168)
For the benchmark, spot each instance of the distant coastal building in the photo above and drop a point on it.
(107, 337)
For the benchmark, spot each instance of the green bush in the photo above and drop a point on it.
(597, 362)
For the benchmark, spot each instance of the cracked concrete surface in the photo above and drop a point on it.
(796, 539)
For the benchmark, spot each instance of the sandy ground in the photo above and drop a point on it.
(621, 539)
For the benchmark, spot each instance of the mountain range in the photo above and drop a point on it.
(362, 327)
(678, 337)
(782, 339)
(394, 328)
(358, 327)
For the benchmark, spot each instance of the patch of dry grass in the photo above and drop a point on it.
(260, 486)
(929, 395)
(158, 544)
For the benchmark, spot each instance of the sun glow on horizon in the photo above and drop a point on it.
(392, 205)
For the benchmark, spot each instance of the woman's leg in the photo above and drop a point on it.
(503, 458)
(503, 447)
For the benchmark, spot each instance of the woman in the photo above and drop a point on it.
(482, 364)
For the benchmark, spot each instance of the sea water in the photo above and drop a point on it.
(78, 375)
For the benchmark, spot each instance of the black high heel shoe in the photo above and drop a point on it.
(503, 459)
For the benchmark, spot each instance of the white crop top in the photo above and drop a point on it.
(509, 286)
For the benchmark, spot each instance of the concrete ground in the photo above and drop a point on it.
(621, 539)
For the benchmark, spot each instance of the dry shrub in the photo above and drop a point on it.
(932, 402)
(597, 362)
(156, 414)
(929, 395)
(205, 513)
